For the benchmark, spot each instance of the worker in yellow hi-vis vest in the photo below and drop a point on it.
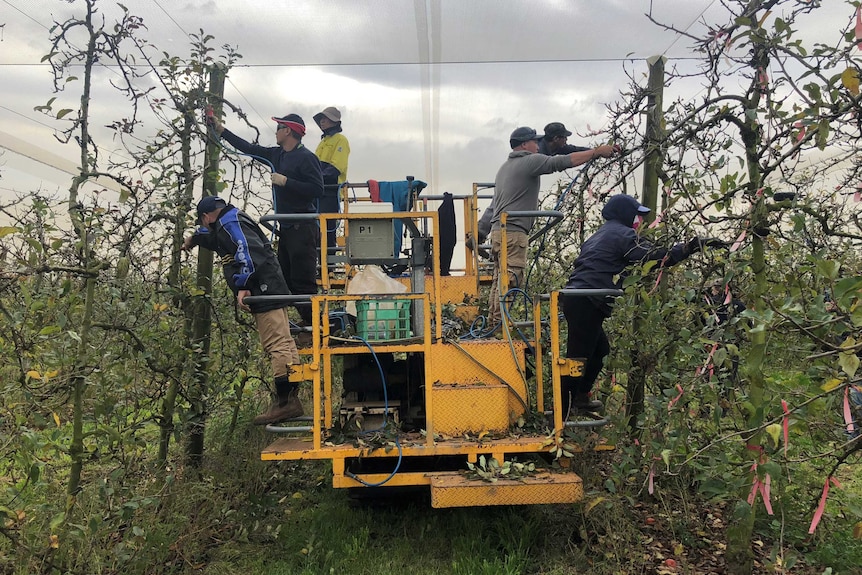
(333, 152)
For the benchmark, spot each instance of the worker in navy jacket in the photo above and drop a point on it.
(601, 264)
(250, 268)
(297, 184)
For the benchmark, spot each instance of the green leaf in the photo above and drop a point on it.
(56, 521)
(7, 230)
(822, 134)
(828, 268)
(665, 456)
(848, 287)
(814, 92)
(720, 356)
(35, 472)
(33, 243)
(849, 363)
(63, 112)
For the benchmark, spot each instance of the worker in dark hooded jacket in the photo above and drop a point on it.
(601, 265)
(251, 269)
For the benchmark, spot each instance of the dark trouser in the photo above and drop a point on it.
(329, 205)
(587, 339)
(297, 256)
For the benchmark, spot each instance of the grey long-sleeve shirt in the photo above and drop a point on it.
(516, 187)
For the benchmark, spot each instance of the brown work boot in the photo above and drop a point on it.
(582, 402)
(281, 409)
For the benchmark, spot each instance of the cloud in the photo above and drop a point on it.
(501, 64)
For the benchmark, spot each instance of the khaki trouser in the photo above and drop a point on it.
(273, 328)
(516, 261)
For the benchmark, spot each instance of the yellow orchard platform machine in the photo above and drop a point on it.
(395, 398)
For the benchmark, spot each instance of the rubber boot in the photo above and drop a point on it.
(582, 402)
(575, 400)
(286, 404)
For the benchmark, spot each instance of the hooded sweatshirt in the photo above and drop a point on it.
(616, 245)
(247, 258)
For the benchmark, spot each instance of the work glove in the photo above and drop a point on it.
(696, 244)
(472, 244)
(714, 243)
(278, 179)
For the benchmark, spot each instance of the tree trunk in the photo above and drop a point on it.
(740, 559)
(185, 195)
(79, 383)
(202, 323)
(636, 386)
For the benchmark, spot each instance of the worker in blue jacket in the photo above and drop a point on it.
(251, 269)
(297, 188)
(601, 264)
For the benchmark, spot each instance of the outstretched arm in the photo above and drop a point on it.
(603, 151)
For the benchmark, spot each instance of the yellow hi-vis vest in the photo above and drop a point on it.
(334, 150)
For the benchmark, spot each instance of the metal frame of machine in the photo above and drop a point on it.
(457, 402)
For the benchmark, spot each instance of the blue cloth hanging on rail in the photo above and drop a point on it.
(399, 194)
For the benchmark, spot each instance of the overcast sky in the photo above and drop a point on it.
(427, 88)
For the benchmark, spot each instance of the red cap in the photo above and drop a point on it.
(292, 121)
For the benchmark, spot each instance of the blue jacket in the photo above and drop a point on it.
(247, 258)
(616, 245)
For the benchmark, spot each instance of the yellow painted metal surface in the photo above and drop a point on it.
(453, 489)
(303, 372)
(453, 289)
(397, 480)
(488, 361)
(470, 408)
(572, 367)
(412, 445)
(472, 389)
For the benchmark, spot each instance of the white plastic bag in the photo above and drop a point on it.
(372, 279)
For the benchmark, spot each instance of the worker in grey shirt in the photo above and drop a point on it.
(555, 143)
(516, 189)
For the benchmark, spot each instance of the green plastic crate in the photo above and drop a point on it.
(383, 319)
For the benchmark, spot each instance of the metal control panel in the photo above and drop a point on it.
(371, 239)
